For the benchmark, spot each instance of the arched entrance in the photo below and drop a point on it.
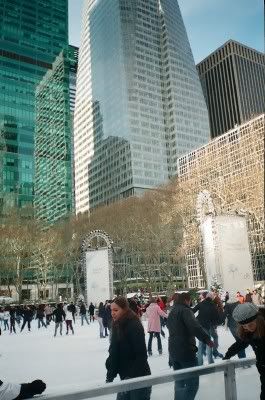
(97, 261)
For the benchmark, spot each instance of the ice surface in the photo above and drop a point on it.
(78, 362)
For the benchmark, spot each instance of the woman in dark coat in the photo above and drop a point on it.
(251, 332)
(127, 352)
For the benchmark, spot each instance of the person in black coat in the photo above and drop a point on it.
(107, 318)
(127, 352)
(251, 332)
(40, 316)
(91, 310)
(83, 313)
(14, 391)
(59, 315)
(27, 314)
(209, 318)
(12, 320)
(72, 309)
(183, 328)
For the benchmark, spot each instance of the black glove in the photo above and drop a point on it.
(225, 358)
(38, 386)
(28, 390)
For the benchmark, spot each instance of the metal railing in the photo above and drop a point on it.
(228, 367)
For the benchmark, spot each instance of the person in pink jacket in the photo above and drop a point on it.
(153, 313)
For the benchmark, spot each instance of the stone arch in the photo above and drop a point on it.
(95, 239)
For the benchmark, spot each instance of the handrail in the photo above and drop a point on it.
(228, 367)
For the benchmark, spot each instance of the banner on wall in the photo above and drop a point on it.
(97, 276)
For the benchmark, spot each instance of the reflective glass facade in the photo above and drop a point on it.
(233, 81)
(137, 82)
(32, 34)
(53, 143)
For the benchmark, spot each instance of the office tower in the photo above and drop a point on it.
(73, 59)
(233, 81)
(53, 142)
(32, 34)
(139, 102)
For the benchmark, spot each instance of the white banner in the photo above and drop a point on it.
(227, 252)
(97, 276)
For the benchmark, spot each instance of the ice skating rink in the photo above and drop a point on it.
(78, 362)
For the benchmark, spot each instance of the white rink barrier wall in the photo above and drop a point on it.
(228, 367)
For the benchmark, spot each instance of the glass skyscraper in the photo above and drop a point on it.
(53, 142)
(139, 103)
(32, 34)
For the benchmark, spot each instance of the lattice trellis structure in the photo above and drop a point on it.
(231, 168)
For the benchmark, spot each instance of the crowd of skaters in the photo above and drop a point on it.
(121, 320)
(16, 318)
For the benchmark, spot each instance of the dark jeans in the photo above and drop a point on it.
(186, 389)
(214, 335)
(91, 317)
(138, 394)
(57, 325)
(159, 344)
(69, 326)
(25, 321)
(6, 325)
(41, 323)
(12, 326)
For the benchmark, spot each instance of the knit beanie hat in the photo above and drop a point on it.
(245, 313)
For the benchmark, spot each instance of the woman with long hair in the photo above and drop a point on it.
(127, 352)
(251, 331)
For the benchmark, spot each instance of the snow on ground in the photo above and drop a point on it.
(78, 361)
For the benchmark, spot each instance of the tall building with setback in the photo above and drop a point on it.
(139, 102)
(32, 34)
(53, 142)
(233, 81)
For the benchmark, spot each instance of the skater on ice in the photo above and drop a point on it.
(127, 352)
(251, 332)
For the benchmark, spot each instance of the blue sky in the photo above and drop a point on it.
(209, 23)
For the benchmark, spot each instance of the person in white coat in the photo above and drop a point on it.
(69, 319)
(153, 313)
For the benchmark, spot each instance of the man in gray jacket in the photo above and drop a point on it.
(183, 328)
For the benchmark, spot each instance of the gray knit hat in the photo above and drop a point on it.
(245, 313)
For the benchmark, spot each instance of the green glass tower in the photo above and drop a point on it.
(32, 34)
(53, 138)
